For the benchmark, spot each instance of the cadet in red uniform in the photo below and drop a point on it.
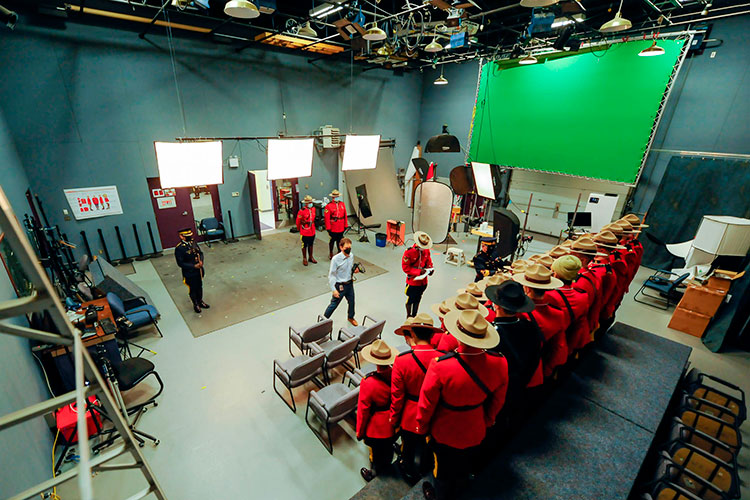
(537, 280)
(417, 264)
(462, 302)
(631, 256)
(606, 242)
(306, 226)
(335, 215)
(409, 371)
(635, 221)
(373, 409)
(619, 266)
(461, 395)
(585, 249)
(573, 301)
(421, 319)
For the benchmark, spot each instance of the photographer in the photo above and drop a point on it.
(340, 279)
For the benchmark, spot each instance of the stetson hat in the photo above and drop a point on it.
(607, 239)
(423, 240)
(635, 221)
(470, 328)
(379, 353)
(517, 266)
(539, 277)
(567, 267)
(307, 199)
(585, 246)
(495, 279)
(566, 243)
(459, 303)
(614, 229)
(558, 251)
(544, 260)
(335, 192)
(474, 290)
(627, 227)
(421, 319)
(510, 296)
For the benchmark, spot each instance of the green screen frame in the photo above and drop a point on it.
(587, 115)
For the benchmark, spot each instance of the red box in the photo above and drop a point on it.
(66, 417)
(690, 322)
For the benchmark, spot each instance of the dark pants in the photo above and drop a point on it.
(381, 455)
(195, 288)
(414, 294)
(416, 458)
(307, 241)
(345, 290)
(333, 243)
(452, 469)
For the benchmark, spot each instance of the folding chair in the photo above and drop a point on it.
(303, 337)
(296, 372)
(695, 385)
(338, 353)
(332, 404)
(366, 334)
(667, 288)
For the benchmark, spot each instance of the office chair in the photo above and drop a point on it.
(211, 229)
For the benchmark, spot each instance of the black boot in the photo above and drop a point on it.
(204, 305)
(367, 474)
(196, 308)
(310, 255)
(304, 257)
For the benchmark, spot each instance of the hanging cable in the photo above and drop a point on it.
(172, 56)
(351, 89)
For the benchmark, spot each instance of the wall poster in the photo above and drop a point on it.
(87, 203)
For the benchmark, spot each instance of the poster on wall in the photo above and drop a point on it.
(87, 203)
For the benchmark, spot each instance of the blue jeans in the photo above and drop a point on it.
(345, 290)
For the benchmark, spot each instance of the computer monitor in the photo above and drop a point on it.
(582, 219)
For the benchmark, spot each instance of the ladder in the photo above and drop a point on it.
(43, 297)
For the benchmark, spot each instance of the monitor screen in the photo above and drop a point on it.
(582, 219)
(361, 152)
(187, 164)
(289, 158)
(483, 179)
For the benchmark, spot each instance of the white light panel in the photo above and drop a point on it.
(361, 152)
(187, 164)
(483, 179)
(289, 158)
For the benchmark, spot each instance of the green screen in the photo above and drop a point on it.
(587, 115)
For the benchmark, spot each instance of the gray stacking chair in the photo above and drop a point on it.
(332, 404)
(303, 337)
(295, 372)
(366, 334)
(338, 352)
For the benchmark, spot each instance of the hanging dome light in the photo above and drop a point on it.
(374, 34)
(441, 80)
(538, 3)
(654, 50)
(433, 46)
(385, 50)
(528, 59)
(306, 30)
(242, 9)
(618, 23)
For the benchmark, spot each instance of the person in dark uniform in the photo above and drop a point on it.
(485, 263)
(373, 409)
(335, 215)
(190, 259)
(306, 227)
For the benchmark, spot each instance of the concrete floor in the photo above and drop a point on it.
(224, 432)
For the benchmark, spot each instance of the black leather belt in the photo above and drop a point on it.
(461, 408)
(411, 397)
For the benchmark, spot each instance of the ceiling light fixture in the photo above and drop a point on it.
(653, 50)
(538, 3)
(528, 59)
(306, 30)
(441, 80)
(324, 10)
(374, 34)
(618, 23)
(704, 12)
(242, 9)
(433, 46)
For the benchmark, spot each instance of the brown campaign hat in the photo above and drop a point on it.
(470, 328)
(544, 260)
(379, 353)
(459, 303)
(627, 227)
(607, 239)
(566, 243)
(307, 199)
(567, 267)
(423, 240)
(517, 266)
(558, 251)
(495, 279)
(585, 246)
(539, 277)
(421, 319)
(614, 229)
(335, 192)
(474, 290)
(635, 221)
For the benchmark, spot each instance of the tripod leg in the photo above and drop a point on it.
(140, 434)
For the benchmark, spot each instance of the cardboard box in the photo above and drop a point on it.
(689, 322)
(722, 280)
(702, 299)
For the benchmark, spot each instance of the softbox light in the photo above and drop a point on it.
(187, 164)
(483, 179)
(443, 143)
(361, 152)
(289, 158)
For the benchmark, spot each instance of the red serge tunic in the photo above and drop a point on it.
(373, 406)
(609, 289)
(578, 333)
(335, 215)
(306, 221)
(620, 268)
(589, 282)
(453, 408)
(409, 371)
(631, 259)
(415, 261)
(552, 322)
(602, 280)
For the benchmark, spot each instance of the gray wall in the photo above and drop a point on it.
(85, 105)
(22, 383)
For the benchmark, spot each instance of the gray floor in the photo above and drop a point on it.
(225, 434)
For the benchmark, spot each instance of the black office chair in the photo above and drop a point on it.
(668, 289)
(211, 229)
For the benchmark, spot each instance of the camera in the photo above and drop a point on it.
(358, 267)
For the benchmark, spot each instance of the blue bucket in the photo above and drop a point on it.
(380, 240)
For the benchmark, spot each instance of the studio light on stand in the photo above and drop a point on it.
(618, 23)
(242, 9)
(441, 80)
(443, 143)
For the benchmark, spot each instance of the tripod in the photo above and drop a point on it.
(360, 228)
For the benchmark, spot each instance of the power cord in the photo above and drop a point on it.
(54, 495)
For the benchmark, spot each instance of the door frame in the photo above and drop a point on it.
(254, 210)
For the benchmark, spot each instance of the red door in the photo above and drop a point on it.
(173, 215)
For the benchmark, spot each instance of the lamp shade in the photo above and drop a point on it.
(538, 3)
(441, 80)
(433, 46)
(618, 23)
(528, 59)
(306, 30)
(374, 33)
(242, 9)
(654, 50)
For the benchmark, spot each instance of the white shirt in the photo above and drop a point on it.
(341, 269)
